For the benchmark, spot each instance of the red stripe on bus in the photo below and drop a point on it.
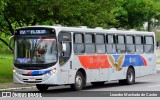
(144, 61)
(94, 61)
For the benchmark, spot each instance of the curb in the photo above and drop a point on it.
(18, 88)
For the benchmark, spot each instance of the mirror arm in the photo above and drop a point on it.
(9, 44)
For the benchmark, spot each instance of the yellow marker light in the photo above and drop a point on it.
(14, 70)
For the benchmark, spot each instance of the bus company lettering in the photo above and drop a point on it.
(94, 61)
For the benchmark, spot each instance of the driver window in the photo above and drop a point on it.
(64, 40)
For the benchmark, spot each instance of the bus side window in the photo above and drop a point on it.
(78, 43)
(121, 44)
(139, 44)
(90, 43)
(149, 44)
(110, 44)
(130, 47)
(100, 43)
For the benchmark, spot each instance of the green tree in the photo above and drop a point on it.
(133, 13)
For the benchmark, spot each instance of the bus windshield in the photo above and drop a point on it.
(35, 50)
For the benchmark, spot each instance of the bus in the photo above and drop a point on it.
(57, 55)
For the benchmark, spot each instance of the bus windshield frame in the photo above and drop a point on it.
(35, 51)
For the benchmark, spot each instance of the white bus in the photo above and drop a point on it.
(55, 55)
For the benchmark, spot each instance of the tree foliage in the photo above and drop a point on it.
(92, 13)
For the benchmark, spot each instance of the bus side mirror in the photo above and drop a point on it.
(64, 47)
(9, 44)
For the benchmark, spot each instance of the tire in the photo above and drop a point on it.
(97, 83)
(130, 78)
(42, 87)
(79, 82)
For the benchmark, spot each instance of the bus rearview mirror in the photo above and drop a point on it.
(9, 44)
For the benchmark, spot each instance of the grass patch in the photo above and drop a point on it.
(6, 66)
(157, 62)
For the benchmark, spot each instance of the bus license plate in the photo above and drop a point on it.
(32, 79)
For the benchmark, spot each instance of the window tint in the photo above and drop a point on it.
(110, 39)
(139, 48)
(64, 38)
(149, 48)
(89, 38)
(78, 38)
(149, 45)
(139, 44)
(67, 53)
(100, 46)
(90, 43)
(149, 40)
(121, 39)
(90, 48)
(121, 44)
(110, 46)
(130, 47)
(129, 39)
(79, 43)
(99, 38)
(121, 48)
(78, 48)
(139, 40)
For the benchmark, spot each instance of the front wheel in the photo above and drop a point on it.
(79, 82)
(42, 87)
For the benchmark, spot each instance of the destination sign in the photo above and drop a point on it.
(32, 32)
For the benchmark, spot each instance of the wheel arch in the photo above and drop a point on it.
(132, 68)
(83, 72)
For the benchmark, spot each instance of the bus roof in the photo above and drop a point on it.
(84, 29)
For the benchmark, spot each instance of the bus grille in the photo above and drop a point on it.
(36, 81)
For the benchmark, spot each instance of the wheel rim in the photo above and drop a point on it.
(130, 76)
(78, 81)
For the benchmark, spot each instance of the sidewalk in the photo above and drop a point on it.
(12, 86)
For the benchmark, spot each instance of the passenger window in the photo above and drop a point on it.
(79, 43)
(149, 44)
(139, 44)
(100, 46)
(130, 47)
(90, 43)
(110, 44)
(121, 44)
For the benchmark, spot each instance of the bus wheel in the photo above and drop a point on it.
(130, 78)
(42, 87)
(79, 82)
(98, 83)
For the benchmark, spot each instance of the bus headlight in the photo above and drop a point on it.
(14, 71)
(51, 72)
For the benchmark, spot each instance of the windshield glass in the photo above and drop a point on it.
(38, 50)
